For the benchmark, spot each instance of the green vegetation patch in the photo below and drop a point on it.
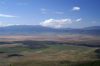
(46, 53)
(13, 49)
(95, 63)
(42, 63)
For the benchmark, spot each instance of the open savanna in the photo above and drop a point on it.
(49, 37)
(45, 53)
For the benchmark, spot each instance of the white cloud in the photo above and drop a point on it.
(44, 12)
(10, 24)
(43, 9)
(3, 15)
(0, 24)
(22, 3)
(76, 8)
(77, 20)
(59, 12)
(4, 25)
(58, 26)
(55, 23)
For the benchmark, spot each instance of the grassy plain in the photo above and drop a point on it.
(56, 52)
(49, 37)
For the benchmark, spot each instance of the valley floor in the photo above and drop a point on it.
(60, 50)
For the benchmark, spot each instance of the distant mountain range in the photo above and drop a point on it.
(26, 28)
(29, 29)
(93, 27)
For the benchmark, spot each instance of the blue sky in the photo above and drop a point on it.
(51, 13)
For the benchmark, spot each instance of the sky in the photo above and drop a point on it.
(50, 13)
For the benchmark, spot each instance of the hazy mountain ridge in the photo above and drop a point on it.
(92, 27)
(94, 30)
(26, 28)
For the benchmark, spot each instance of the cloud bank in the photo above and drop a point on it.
(55, 23)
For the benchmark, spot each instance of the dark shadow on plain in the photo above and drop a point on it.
(1, 52)
(98, 53)
(12, 55)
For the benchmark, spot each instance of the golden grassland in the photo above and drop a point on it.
(49, 37)
(9, 45)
